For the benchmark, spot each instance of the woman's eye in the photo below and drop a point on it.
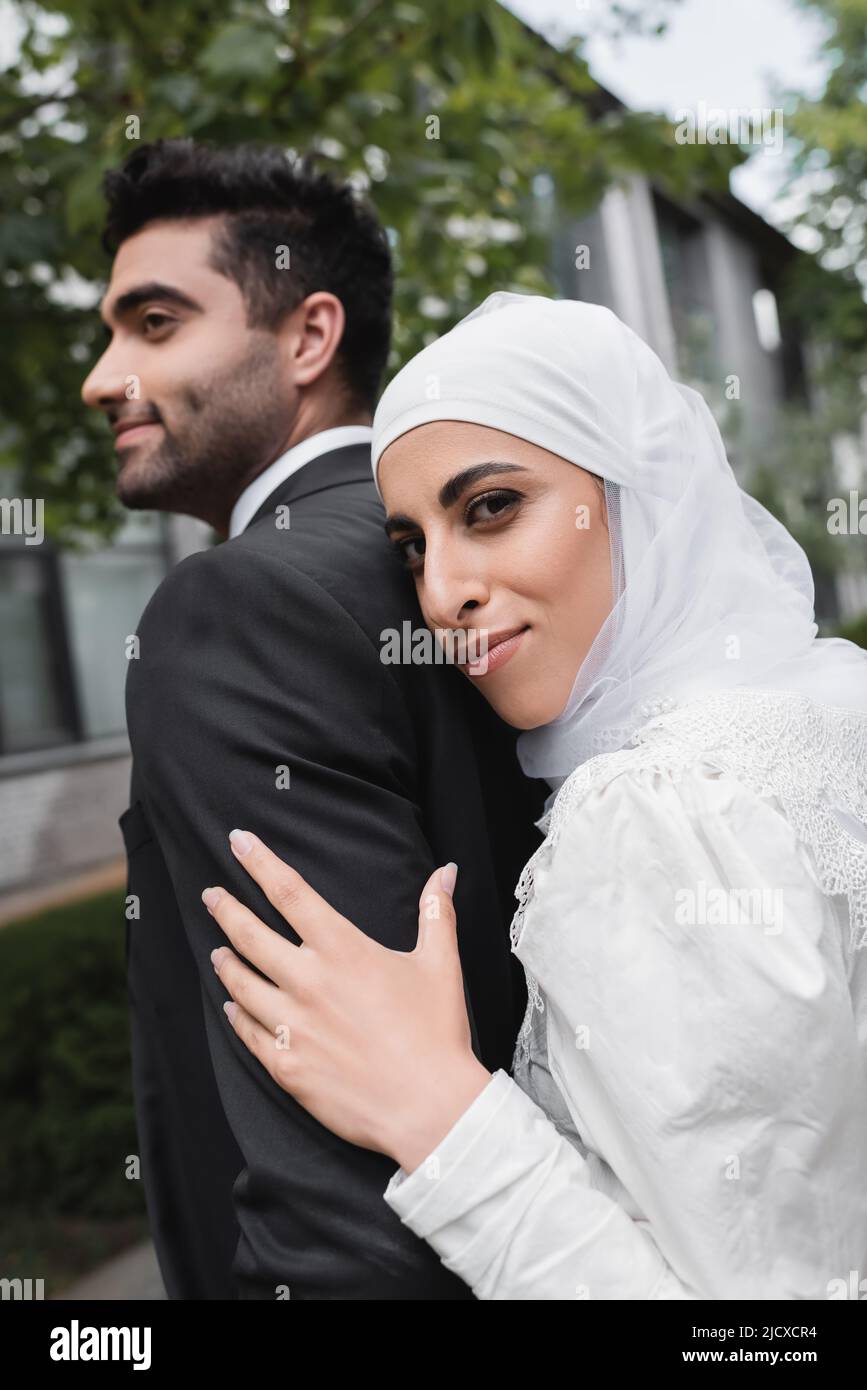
(405, 555)
(496, 502)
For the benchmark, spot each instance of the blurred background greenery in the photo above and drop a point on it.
(354, 81)
(66, 1200)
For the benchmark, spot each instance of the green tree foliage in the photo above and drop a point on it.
(64, 1063)
(444, 113)
(827, 143)
(824, 294)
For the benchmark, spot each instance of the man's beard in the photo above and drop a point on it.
(227, 430)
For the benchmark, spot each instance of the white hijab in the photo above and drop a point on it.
(711, 592)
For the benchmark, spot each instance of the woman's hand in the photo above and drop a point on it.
(374, 1043)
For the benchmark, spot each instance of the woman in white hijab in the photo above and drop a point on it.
(687, 1114)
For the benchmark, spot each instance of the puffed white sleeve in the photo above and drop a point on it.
(701, 1031)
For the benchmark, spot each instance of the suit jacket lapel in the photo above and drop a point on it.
(350, 464)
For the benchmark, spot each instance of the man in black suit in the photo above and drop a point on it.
(249, 319)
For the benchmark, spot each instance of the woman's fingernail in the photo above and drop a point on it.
(217, 957)
(448, 875)
(210, 897)
(240, 841)
(229, 1009)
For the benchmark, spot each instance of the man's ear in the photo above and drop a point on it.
(310, 336)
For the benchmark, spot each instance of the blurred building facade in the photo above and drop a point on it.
(65, 618)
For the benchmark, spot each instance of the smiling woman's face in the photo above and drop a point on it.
(502, 536)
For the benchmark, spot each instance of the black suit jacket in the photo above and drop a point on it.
(260, 658)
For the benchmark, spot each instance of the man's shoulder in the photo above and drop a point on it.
(317, 551)
(245, 615)
(198, 583)
(327, 563)
(331, 532)
(335, 539)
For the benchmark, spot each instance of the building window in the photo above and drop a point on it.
(687, 279)
(64, 620)
(37, 697)
(767, 319)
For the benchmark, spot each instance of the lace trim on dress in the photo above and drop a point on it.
(811, 757)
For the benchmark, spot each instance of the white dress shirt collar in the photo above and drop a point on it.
(312, 447)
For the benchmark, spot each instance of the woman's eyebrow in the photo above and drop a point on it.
(451, 490)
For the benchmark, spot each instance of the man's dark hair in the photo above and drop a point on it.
(268, 199)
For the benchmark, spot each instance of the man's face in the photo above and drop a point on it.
(198, 400)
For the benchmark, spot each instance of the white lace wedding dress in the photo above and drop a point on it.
(688, 1112)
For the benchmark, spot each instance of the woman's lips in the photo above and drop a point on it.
(497, 656)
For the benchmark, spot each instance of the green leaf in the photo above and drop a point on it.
(241, 52)
(84, 204)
